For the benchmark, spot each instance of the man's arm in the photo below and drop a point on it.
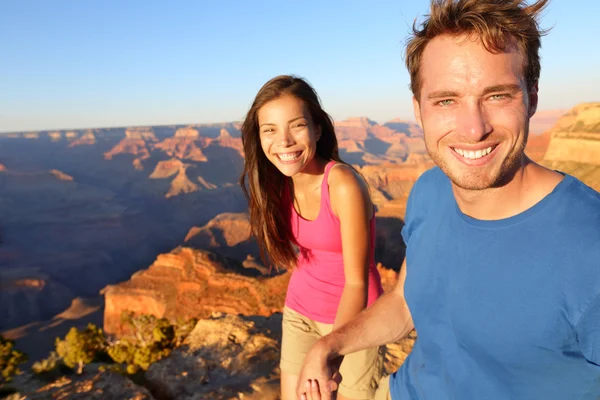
(387, 320)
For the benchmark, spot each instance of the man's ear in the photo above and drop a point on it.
(417, 111)
(533, 99)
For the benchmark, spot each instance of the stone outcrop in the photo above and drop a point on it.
(226, 140)
(187, 133)
(393, 181)
(31, 135)
(181, 184)
(55, 136)
(188, 283)
(183, 147)
(576, 136)
(227, 234)
(92, 384)
(88, 138)
(224, 357)
(409, 128)
(167, 168)
(575, 144)
(135, 146)
(145, 133)
(30, 294)
(61, 175)
(364, 142)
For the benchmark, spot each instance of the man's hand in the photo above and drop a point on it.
(319, 377)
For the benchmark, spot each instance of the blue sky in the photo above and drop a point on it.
(91, 63)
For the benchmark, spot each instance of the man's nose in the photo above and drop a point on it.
(473, 122)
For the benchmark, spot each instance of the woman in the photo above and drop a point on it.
(311, 213)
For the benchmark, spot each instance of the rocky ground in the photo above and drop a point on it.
(225, 357)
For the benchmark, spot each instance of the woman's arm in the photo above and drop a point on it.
(351, 203)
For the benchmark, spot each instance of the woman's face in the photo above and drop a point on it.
(288, 135)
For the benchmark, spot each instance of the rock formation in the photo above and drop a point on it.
(365, 142)
(88, 138)
(188, 283)
(183, 147)
(145, 133)
(227, 234)
(136, 147)
(55, 136)
(576, 136)
(575, 144)
(187, 133)
(92, 384)
(224, 357)
(61, 175)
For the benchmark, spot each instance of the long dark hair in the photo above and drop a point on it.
(267, 189)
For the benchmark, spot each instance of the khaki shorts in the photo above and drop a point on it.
(361, 371)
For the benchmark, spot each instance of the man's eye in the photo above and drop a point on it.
(500, 96)
(445, 102)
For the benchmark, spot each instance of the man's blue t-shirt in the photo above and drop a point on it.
(504, 309)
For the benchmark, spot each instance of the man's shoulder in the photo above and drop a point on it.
(582, 198)
(432, 191)
(578, 212)
(432, 179)
(587, 193)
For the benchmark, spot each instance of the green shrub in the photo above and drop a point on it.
(152, 340)
(10, 358)
(79, 348)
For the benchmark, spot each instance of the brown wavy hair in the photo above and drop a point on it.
(264, 186)
(493, 21)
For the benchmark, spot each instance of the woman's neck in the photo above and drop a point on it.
(311, 176)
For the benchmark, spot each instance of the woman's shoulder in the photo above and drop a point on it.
(345, 182)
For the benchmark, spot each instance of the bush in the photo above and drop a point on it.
(10, 358)
(80, 348)
(46, 365)
(152, 340)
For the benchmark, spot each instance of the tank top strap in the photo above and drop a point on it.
(325, 187)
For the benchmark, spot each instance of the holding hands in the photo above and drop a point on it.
(319, 378)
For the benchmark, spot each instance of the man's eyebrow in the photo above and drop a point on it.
(509, 87)
(441, 94)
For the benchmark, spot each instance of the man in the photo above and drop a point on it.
(502, 270)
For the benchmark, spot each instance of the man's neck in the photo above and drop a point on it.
(530, 184)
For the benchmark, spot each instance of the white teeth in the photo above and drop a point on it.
(288, 156)
(473, 155)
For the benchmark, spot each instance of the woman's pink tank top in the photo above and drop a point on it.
(317, 283)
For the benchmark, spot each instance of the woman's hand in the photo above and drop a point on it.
(319, 377)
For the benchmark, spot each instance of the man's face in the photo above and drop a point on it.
(474, 109)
